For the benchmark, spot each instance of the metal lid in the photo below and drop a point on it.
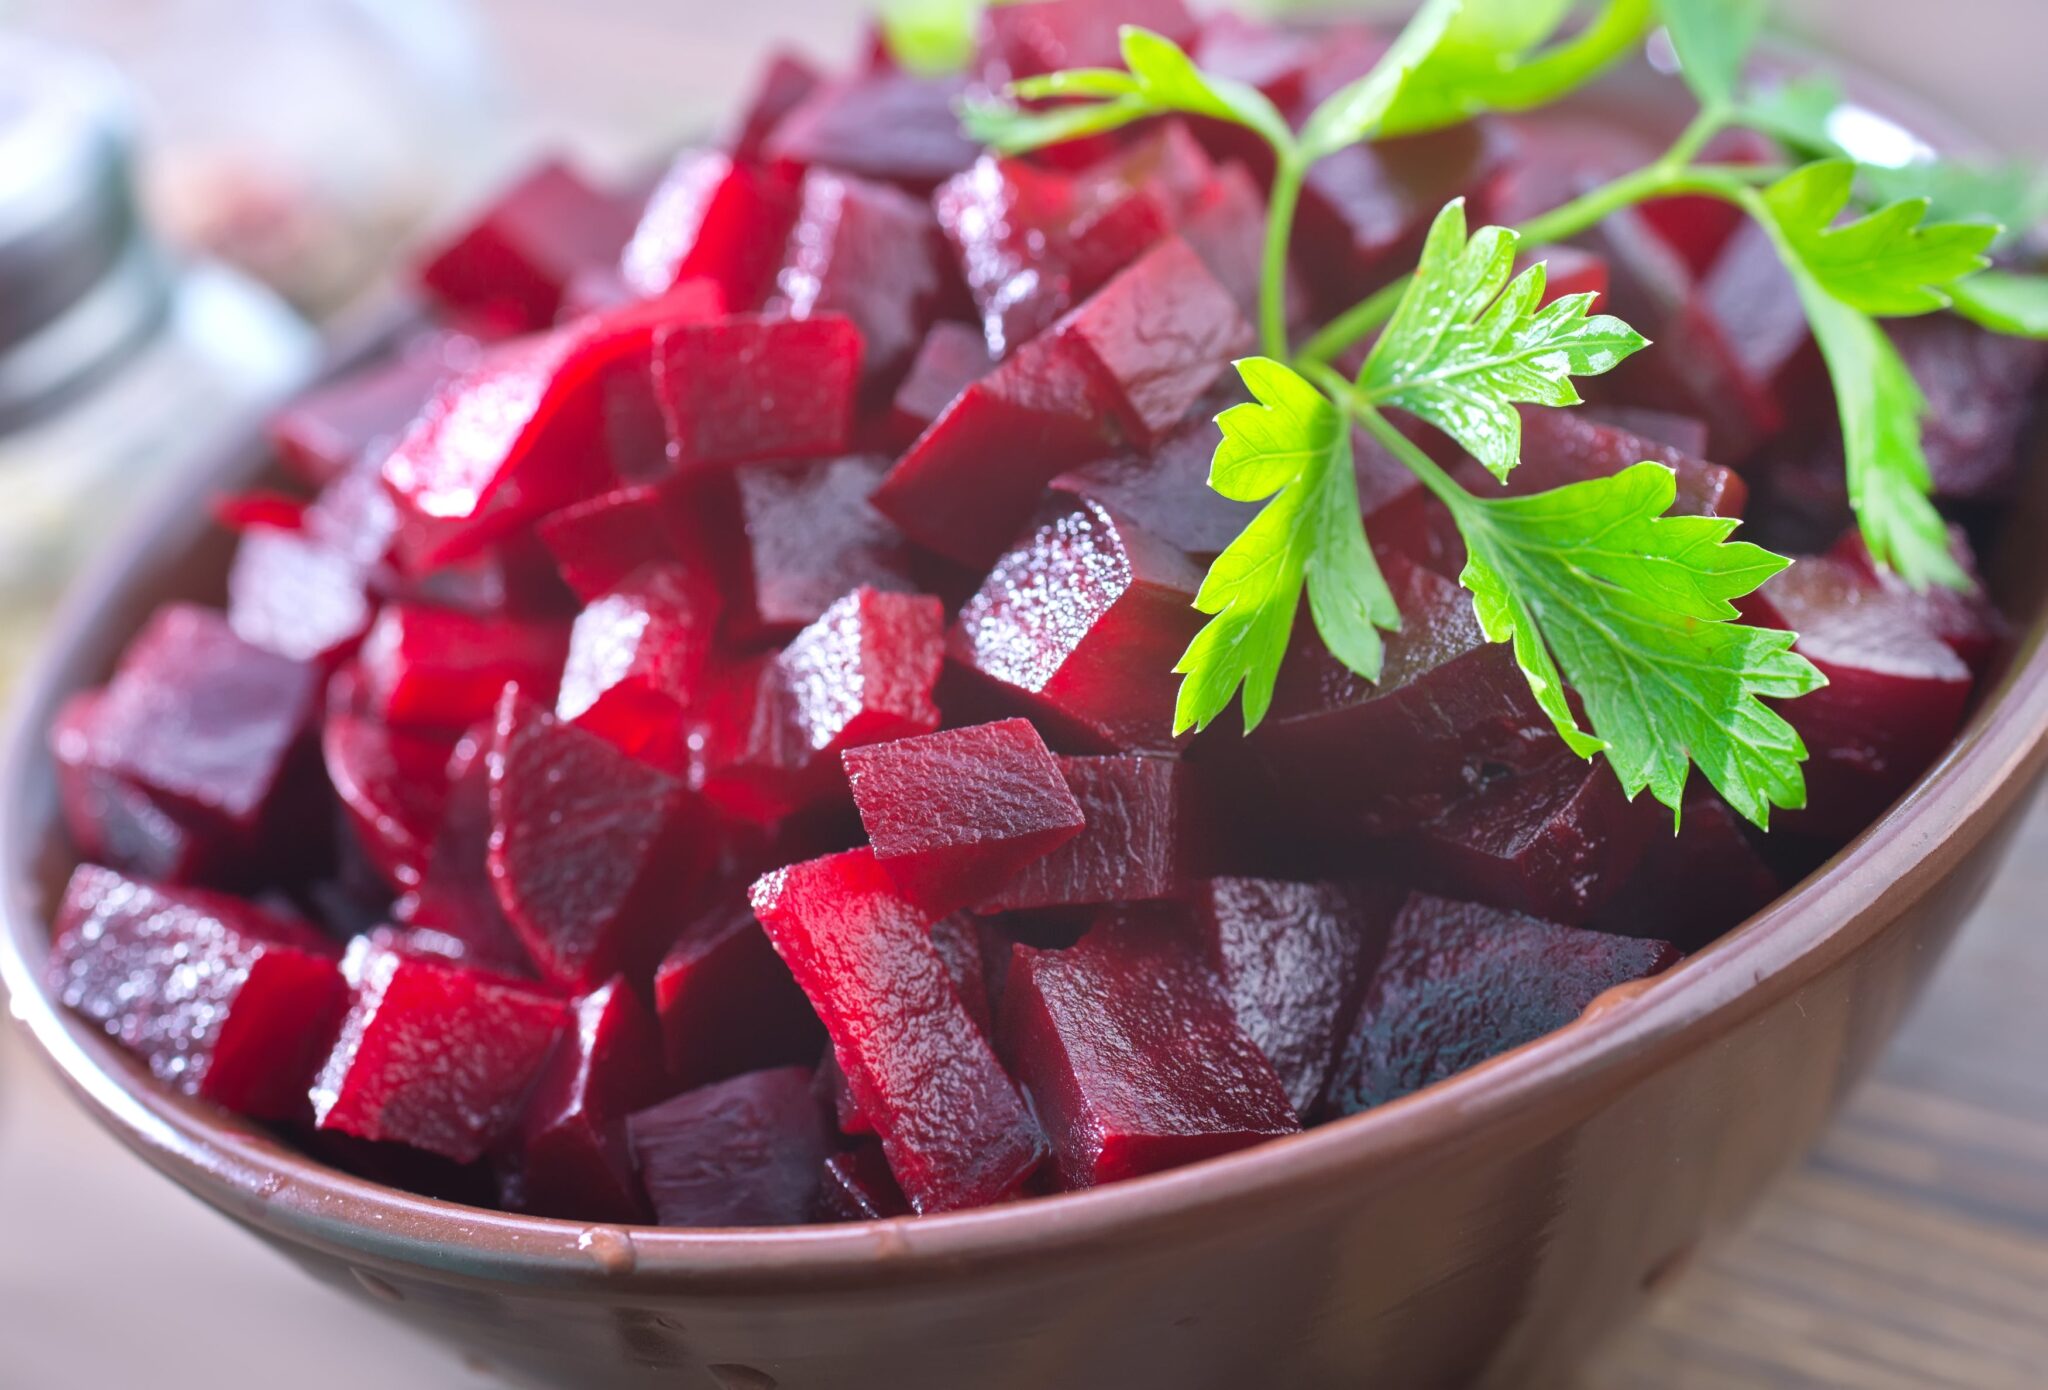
(79, 279)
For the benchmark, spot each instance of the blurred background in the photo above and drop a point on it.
(295, 145)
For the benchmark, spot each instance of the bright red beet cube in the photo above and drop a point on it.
(439, 668)
(1024, 40)
(953, 1126)
(1293, 959)
(393, 788)
(782, 87)
(713, 218)
(953, 816)
(870, 253)
(592, 851)
(1132, 1054)
(291, 593)
(1461, 983)
(331, 429)
(1148, 836)
(749, 388)
(433, 1055)
(888, 126)
(858, 1186)
(726, 1001)
(597, 543)
(953, 357)
(805, 536)
(745, 1152)
(1226, 226)
(455, 901)
(637, 656)
(112, 821)
(511, 265)
(1082, 623)
(222, 1000)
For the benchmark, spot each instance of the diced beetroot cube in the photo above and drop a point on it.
(1895, 693)
(713, 218)
(871, 253)
(1696, 225)
(433, 1055)
(1083, 622)
(727, 1002)
(511, 265)
(1685, 433)
(591, 850)
(953, 1126)
(393, 785)
(1555, 843)
(858, 1186)
(222, 1000)
(637, 656)
(292, 593)
(1024, 40)
(745, 1152)
(258, 509)
(1166, 491)
(1693, 886)
(806, 535)
(355, 515)
(954, 815)
(1562, 151)
(1749, 296)
(755, 388)
(829, 1084)
(437, 668)
(1226, 226)
(889, 126)
(1648, 280)
(1293, 959)
(331, 429)
(1265, 56)
(1981, 389)
(1132, 1055)
(953, 358)
(572, 1157)
(1148, 836)
(455, 900)
(1965, 619)
(597, 543)
(784, 85)
(1461, 983)
(112, 821)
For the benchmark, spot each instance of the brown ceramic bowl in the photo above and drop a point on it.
(1485, 1231)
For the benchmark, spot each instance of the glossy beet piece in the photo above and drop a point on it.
(888, 126)
(1082, 623)
(953, 1126)
(1561, 151)
(1698, 884)
(572, 1157)
(511, 265)
(1557, 842)
(1966, 619)
(1132, 1054)
(291, 593)
(870, 253)
(952, 358)
(1261, 55)
(433, 1055)
(1895, 695)
(754, 388)
(332, 428)
(637, 656)
(591, 849)
(438, 668)
(1461, 983)
(1024, 40)
(805, 536)
(221, 999)
(111, 821)
(1226, 226)
(1697, 226)
(726, 1001)
(1685, 433)
(455, 901)
(717, 219)
(858, 1186)
(745, 1152)
(1165, 490)
(1747, 323)
(1293, 959)
(1149, 835)
(953, 816)
(1365, 209)
(782, 87)
(1981, 391)
(393, 788)
(597, 543)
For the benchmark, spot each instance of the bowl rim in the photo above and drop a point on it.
(1628, 1033)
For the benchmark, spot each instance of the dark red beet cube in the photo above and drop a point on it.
(1265, 56)
(953, 816)
(1895, 695)
(858, 1186)
(1693, 886)
(1965, 619)
(889, 126)
(806, 535)
(291, 593)
(597, 543)
(1293, 959)
(637, 656)
(1365, 209)
(1982, 389)
(438, 668)
(1148, 836)
(1166, 491)
(953, 1126)
(331, 429)
(953, 357)
(592, 851)
(727, 1002)
(1226, 226)
(393, 787)
(455, 901)
(1556, 842)
(1132, 1054)
(112, 821)
(572, 1157)
(713, 218)
(782, 87)
(1461, 983)
(745, 1152)
(434, 1055)
(1685, 433)
(511, 265)
(755, 388)
(1082, 622)
(870, 253)
(1696, 225)
(1560, 152)
(223, 1000)
(1024, 40)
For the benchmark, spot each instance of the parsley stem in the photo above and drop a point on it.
(1425, 468)
(1286, 197)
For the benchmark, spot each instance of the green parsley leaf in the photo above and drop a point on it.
(1596, 587)
(1713, 39)
(1887, 263)
(1358, 110)
(930, 36)
(2005, 302)
(1294, 447)
(1469, 342)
